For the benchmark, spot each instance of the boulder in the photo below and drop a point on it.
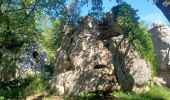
(159, 81)
(86, 64)
(81, 81)
(32, 62)
(160, 34)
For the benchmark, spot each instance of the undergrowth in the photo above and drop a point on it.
(155, 93)
(20, 88)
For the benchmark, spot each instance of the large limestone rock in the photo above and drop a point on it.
(161, 39)
(32, 62)
(79, 81)
(84, 64)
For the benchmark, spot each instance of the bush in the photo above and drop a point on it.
(38, 84)
(20, 88)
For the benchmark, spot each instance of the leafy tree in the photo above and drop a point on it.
(50, 36)
(18, 21)
(19, 25)
(135, 31)
(16, 28)
(163, 5)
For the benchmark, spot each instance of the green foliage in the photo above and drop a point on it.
(155, 93)
(7, 65)
(19, 25)
(145, 46)
(126, 16)
(86, 96)
(20, 88)
(1, 98)
(50, 36)
(136, 32)
(38, 84)
(97, 8)
(18, 19)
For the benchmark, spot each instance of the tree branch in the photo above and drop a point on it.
(164, 6)
(32, 8)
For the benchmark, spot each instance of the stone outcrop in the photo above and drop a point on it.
(161, 39)
(86, 64)
(32, 62)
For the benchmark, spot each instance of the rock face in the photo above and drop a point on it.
(161, 39)
(85, 64)
(32, 61)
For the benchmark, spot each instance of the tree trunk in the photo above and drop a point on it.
(164, 6)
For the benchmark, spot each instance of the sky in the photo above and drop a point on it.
(147, 11)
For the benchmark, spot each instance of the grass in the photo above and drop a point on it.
(155, 93)
(39, 84)
(32, 85)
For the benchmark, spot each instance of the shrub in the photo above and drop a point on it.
(20, 88)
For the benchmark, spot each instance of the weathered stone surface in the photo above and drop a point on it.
(131, 70)
(161, 39)
(159, 81)
(80, 81)
(85, 64)
(32, 62)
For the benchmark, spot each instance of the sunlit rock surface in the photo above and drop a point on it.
(161, 39)
(85, 64)
(32, 62)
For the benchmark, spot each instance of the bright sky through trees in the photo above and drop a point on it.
(147, 11)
